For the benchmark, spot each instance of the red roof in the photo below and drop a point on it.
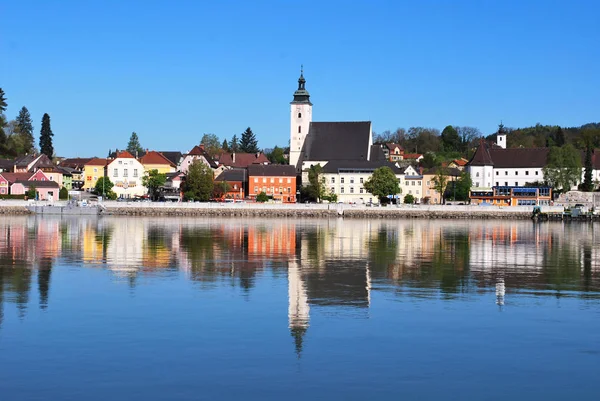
(412, 155)
(124, 155)
(197, 151)
(154, 157)
(460, 162)
(242, 159)
(96, 162)
(13, 177)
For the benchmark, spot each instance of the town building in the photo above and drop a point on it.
(235, 180)
(92, 171)
(242, 160)
(512, 196)
(126, 173)
(276, 180)
(197, 153)
(153, 160)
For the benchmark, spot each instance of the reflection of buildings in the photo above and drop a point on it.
(298, 309)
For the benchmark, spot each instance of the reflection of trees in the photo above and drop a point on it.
(104, 234)
(562, 267)
(44, 272)
(383, 248)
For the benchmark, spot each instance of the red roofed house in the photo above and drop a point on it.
(393, 152)
(126, 173)
(20, 183)
(243, 160)
(7, 179)
(413, 156)
(197, 153)
(153, 160)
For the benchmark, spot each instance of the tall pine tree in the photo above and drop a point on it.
(25, 130)
(588, 185)
(559, 137)
(46, 137)
(3, 139)
(248, 144)
(134, 147)
(234, 145)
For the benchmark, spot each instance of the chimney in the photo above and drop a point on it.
(202, 146)
(233, 158)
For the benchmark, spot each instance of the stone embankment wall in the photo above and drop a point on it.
(13, 210)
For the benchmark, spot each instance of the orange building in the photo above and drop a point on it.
(236, 182)
(276, 180)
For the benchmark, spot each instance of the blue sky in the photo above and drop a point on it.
(173, 70)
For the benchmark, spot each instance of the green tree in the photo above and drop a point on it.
(199, 182)
(211, 143)
(588, 184)
(104, 187)
(262, 197)
(220, 189)
(409, 199)
(381, 183)
(153, 180)
(429, 161)
(559, 137)
(234, 144)
(316, 183)
(440, 182)
(248, 144)
(24, 129)
(133, 146)
(63, 193)
(463, 186)
(225, 146)
(3, 122)
(450, 140)
(31, 192)
(563, 167)
(276, 155)
(46, 137)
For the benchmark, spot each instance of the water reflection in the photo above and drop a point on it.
(330, 263)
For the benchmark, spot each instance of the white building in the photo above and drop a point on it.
(126, 173)
(197, 153)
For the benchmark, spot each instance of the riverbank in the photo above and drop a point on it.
(303, 210)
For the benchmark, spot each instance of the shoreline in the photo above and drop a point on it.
(455, 212)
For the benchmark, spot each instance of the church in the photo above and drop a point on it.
(345, 150)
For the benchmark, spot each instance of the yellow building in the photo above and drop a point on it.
(156, 161)
(93, 170)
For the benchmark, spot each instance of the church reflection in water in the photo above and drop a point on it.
(332, 264)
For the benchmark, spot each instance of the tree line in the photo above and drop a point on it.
(16, 136)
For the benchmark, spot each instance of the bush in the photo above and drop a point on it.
(409, 199)
(31, 193)
(63, 193)
(12, 197)
(262, 197)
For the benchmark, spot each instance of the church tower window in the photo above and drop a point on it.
(299, 129)
(299, 115)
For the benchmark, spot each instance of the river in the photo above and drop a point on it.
(116, 308)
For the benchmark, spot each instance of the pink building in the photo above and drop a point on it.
(46, 190)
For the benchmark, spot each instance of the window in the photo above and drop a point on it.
(412, 183)
(51, 178)
(124, 172)
(264, 180)
(299, 115)
(115, 172)
(417, 192)
(43, 179)
(289, 181)
(505, 172)
(497, 184)
(516, 173)
(527, 172)
(120, 161)
(135, 172)
(505, 183)
(342, 180)
(362, 180)
(272, 180)
(342, 190)
(333, 180)
(497, 172)
(256, 190)
(419, 183)
(476, 184)
(332, 190)
(516, 184)
(299, 129)
(2, 190)
(536, 173)
(281, 180)
(95, 170)
(362, 191)
(255, 179)
(351, 180)
(289, 190)
(477, 175)
(351, 190)
(428, 183)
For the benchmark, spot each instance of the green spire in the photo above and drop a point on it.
(301, 95)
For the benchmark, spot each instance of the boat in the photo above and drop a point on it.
(72, 208)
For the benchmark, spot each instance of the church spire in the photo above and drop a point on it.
(301, 95)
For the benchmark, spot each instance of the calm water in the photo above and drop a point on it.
(230, 309)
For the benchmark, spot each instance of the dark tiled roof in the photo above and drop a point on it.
(335, 166)
(509, 158)
(7, 164)
(452, 172)
(337, 141)
(24, 161)
(65, 170)
(38, 184)
(174, 157)
(43, 162)
(234, 174)
(153, 157)
(271, 170)
(172, 175)
(242, 159)
(377, 153)
(76, 163)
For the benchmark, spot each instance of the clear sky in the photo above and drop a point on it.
(173, 70)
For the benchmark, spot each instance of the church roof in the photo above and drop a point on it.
(485, 155)
(336, 165)
(329, 141)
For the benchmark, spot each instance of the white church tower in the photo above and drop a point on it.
(300, 118)
(298, 308)
(501, 136)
